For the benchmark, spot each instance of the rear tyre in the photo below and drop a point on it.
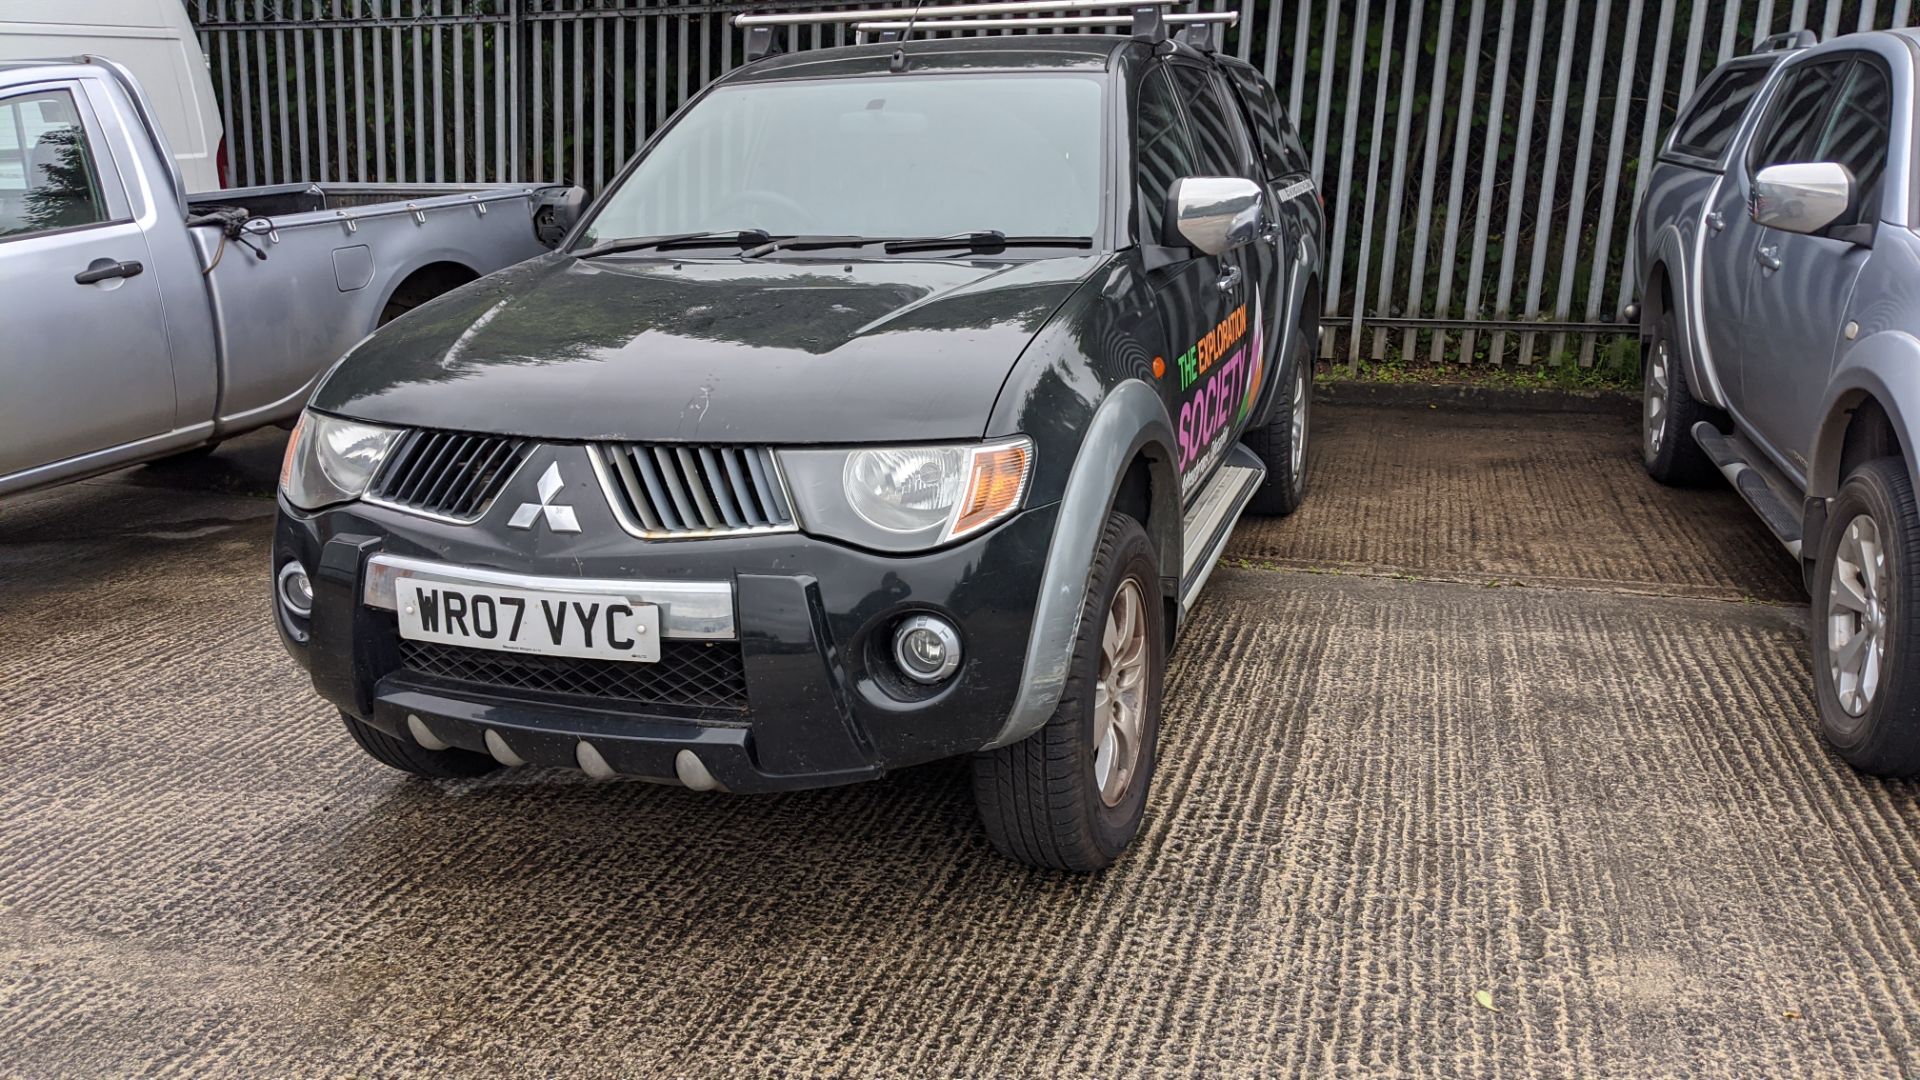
(1866, 586)
(1282, 441)
(1669, 411)
(410, 757)
(1071, 796)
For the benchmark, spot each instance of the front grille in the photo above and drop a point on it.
(690, 674)
(447, 474)
(667, 490)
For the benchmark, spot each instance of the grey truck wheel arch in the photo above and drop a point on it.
(1130, 422)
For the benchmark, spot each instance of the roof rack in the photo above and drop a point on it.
(1792, 39)
(1149, 22)
(1201, 21)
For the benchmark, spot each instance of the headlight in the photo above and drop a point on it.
(907, 498)
(331, 460)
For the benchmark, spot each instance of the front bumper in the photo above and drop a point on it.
(794, 692)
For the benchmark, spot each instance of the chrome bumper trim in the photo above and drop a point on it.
(695, 610)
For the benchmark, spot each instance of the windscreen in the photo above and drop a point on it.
(903, 156)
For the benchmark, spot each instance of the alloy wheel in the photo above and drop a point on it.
(1120, 697)
(1659, 378)
(1857, 615)
(1299, 442)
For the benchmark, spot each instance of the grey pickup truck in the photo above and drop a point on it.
(1780, 317)
(142, 322)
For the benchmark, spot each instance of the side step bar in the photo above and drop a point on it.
(1742, 465)
(1209, 522)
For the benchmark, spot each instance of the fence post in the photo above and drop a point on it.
(516, 107)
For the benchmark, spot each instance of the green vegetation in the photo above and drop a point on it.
(1615, 366)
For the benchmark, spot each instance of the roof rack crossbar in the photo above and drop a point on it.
(948, 25)
(1792, 39)
(934, 11)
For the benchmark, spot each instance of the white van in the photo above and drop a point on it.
(156, 41)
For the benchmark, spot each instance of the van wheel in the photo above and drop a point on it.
(1865, 657)
(1281, 443)
(1071, 795)
(410, 757)
(1669, 411)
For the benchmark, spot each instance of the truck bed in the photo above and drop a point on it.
(335, 257)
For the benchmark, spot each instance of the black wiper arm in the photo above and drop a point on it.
(985, 240)
(742, 237)
(802, 243)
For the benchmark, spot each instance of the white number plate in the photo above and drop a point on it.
(524, 621)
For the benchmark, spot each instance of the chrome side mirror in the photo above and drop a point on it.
(1802, 198)
(1212, 213)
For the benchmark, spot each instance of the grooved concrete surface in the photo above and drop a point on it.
(1606, 807)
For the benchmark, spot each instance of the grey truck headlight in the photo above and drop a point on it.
(330, 460)
(908, 498)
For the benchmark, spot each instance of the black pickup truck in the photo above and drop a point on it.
(893, 404)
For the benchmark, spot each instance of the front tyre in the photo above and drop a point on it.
(410, 757)
(1281, 443)
(1071, 795)
(1865, 656)
(1668, 412)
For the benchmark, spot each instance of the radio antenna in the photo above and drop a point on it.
(898, 62)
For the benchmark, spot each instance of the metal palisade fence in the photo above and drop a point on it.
(1480, 159)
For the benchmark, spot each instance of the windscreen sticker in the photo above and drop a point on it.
(1294, 190)
(1226, 365)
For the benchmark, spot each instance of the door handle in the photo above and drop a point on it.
(1768, 256)
(1716, 221)
(1229, 280)
(102, 269)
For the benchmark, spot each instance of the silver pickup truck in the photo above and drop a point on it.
(1780, 318)
(137, 322)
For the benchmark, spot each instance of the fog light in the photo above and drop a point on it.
(296, 591)
(927, 648)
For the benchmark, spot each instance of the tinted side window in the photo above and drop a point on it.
(1857, 133)
(1263, 113)
(47, 179)
(1798, 114)
(1163, 154)
(1217, 136)
(1708, 126)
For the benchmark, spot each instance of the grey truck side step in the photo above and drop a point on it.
(1209, 521)
(1756, 480)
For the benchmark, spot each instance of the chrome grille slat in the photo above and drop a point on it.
(762, 488)
(674, 490)
(697, 487)
(447, 475)
(737, 480)
(630, 479)
(671, 474)
(722, 497)
(657, 489)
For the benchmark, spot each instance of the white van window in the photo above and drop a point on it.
(47, 178)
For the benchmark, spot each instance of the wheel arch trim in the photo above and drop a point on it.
(1886, 368)
(1131, 420)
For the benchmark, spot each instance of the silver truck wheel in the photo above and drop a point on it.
(1658, 384)
(1302, 396)
(1071, 796)
(1281, 442)
(1669, 410)
(1866, 654)
(1856, 615)
(1120, 695)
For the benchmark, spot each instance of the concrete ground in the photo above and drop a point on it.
(1493, 713)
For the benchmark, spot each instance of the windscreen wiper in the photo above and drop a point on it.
(984, 240)
(803, 243)
(742, 237)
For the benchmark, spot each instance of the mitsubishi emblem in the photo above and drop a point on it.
(559, 518)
